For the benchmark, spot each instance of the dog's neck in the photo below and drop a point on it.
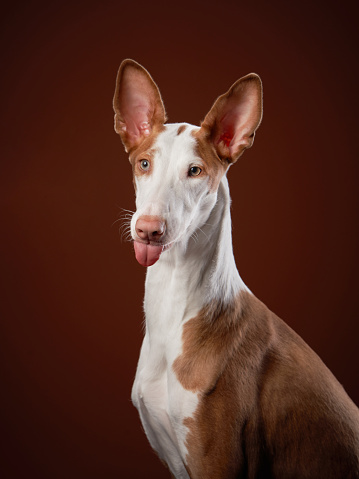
(198, 270)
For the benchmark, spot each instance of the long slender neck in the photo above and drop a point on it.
(224, 281)
(199, 270)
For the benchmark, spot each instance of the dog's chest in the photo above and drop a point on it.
(162, 402)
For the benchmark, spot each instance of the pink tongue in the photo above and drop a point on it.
(146, 254)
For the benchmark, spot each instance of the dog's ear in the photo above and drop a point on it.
(137, 104)
(233, 119)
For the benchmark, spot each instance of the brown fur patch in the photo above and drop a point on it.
(146, 145)
(145, 151)
(208, 339)
(181, 129)
(268, 405)
(214, 167)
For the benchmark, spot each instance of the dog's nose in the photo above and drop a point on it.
(150, 228)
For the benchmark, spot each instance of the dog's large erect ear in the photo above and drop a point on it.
(233, 119)
(137, 103)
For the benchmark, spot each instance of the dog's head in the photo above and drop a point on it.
(177, 167)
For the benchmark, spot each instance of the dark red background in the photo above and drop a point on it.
(71, 293)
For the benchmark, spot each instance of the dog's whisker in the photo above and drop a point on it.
(201, 230)
(128, 211)
(116, 221)
(195, 236)
(124, 217)
(125, 228)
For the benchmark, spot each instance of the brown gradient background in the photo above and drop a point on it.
(71, 317)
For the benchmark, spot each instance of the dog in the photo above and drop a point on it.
(224, 388)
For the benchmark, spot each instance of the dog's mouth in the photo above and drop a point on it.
(148, 254)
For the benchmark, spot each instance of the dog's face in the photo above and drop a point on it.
(177, 167)
(175, 184)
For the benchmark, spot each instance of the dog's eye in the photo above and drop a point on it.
(194, 171)
(145, 165)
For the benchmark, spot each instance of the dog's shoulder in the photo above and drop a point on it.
(304, 408)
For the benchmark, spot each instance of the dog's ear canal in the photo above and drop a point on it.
(233, 119)
(137, 104)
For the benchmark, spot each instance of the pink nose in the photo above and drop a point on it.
(150, 228)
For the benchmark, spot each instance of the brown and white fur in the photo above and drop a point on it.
(224, 388)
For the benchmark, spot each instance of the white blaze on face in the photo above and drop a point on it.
(169, 191)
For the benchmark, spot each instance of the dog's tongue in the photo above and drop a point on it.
(146, 254)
